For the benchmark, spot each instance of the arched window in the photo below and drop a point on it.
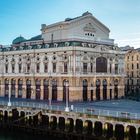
(104, 89)
(101, 64)
(13, 87)
(28, 89)
(54, 90)
(6, 87)
(85, 90)
(97, 89)
(37, 82)
(116, 89)
(20, 83)
(46, 89)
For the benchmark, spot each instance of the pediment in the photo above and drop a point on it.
(89, 28)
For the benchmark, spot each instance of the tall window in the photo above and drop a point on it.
(91, 67)
(20, 88)
(45, 67)
(13, 68)
(38, 67)
(6, 68)
(19, 67)
(85, 67)
(116, 68)
(132, 58)
(54, 67)
(28, 67)
(13, 87)
(137, 66)
(101, 64)
(65, 67)
(110, 68)
(132, 66)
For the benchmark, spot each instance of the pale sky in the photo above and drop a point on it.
(24, 17)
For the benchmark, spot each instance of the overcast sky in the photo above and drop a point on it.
(24, 17)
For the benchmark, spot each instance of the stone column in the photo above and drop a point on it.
(24, 89)
(101, 90)
(41, 90)
(16, 86)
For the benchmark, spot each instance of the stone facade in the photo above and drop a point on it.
(85, 58)
(132, 68)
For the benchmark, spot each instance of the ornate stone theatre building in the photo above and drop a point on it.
(77, 51)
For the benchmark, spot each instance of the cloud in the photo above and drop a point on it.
(135, 42)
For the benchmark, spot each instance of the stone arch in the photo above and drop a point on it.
(131, 132)
(108, 130)
(5, 117)
(45, 121)
(85, 90)
(98, 128)
(88, 127)
(79, 126)
(119, 131)
(101, 65)
(53, 122)
(61, 123)
(98, 89)
(69, 125)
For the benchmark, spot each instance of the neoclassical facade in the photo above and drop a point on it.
(77, 51)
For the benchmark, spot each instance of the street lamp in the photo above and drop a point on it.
(67, 102)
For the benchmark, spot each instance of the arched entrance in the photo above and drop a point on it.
(37, 82)
(46, 90)
(116, 89)
(28, 89)
(6, 87)
(85, 90)
(20, 83)
(119, 132)
(104, 89)
(65, 89)
(97, 89)
(54, 90)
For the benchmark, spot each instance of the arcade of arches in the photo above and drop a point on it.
(80, 88)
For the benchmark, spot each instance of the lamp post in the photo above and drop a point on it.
(67, 102)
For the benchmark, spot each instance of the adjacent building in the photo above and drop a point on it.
(74, 57)
(132, 68)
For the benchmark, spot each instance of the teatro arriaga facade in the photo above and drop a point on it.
(76, 51)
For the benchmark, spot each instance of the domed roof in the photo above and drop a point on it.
(18, 40)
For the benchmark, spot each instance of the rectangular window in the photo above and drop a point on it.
(28, 67)
(91, 67)
(132, 66)
(54, 67)
(46, 67)
(19, 68)
(110, 68)
(65, 67)
(137, 66)
(6, 68)
(116, 68)
(85, 67)
(13, 68)
(37, 67)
